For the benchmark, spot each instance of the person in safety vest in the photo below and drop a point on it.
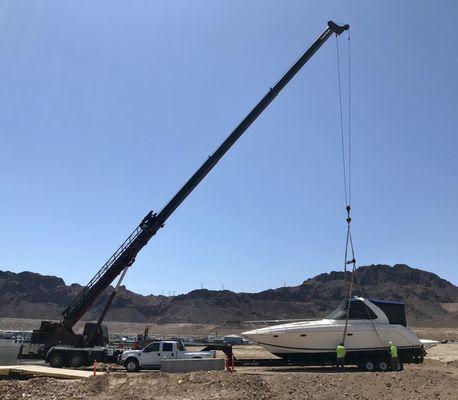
(394, 356)
(340, 352)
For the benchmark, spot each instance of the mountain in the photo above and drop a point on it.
(430, 300)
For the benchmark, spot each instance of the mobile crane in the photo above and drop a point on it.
(56, 341)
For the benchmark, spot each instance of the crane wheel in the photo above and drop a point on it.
(56, 360)
(131, 365)
(76, 360)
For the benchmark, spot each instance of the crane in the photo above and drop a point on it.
(61, 333)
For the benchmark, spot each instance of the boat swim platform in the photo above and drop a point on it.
(43, 371)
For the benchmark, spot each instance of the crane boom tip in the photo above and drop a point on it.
(337, 29)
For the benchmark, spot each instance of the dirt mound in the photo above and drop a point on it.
(413, 383)
(42, 388)
(197, 385)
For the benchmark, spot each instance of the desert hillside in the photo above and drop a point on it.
(430, 299)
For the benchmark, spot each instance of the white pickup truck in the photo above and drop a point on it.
(152, 355)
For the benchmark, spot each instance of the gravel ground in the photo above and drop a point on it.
(436, 378)
(432, 380)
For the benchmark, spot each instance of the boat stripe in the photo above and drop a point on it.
(315, 349)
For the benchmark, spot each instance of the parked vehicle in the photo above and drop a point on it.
(69, 356)
(152, 355)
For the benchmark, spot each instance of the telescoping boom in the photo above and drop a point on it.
(125, 255)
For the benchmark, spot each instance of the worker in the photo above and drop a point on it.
(394, 356)
(340, 350)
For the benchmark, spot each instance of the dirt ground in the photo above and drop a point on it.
(437, 378)
(436, 333)
(446, 353)
(429, 381)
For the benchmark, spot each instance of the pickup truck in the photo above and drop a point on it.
(152, 355)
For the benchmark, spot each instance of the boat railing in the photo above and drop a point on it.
(271, 322)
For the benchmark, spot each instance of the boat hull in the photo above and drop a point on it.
(316, 341)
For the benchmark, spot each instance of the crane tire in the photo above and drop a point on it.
(57, 360)
(76, 360)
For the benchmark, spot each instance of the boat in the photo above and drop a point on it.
(371, 325)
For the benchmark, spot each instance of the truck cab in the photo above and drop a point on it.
(152, 355)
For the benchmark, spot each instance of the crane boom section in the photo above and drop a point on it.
(126, 253)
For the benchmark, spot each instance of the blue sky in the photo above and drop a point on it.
(107, 107)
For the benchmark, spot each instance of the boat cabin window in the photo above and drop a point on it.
(358, 310)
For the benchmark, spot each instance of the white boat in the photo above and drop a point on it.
(372, 324)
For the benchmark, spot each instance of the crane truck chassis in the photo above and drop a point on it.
(68, 356)
(52, 336)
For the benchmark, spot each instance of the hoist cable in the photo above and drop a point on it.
(349, 241)
(345, 260)
(361, 288)
(344, 164)
(349, 247)
(349, 118)
(347, 190)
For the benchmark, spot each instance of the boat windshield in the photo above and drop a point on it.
(358, 310)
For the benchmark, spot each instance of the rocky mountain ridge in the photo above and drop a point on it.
(427, 296)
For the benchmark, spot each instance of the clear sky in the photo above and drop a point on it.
(107, 107)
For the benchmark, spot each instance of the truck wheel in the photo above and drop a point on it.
(368, 365)
(131, 365)
(56, 360)
(382, 365)
(76, 360)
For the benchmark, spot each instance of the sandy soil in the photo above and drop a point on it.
(446, 353)
(443, 333)
(428, 381)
